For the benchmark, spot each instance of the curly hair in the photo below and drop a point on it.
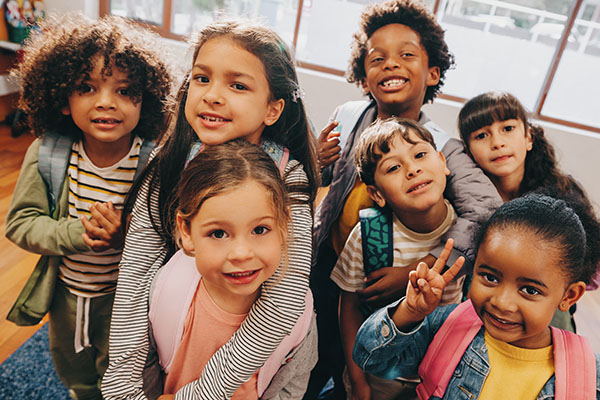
(541, 166)
(375, 141)
(413, 14)
(64, 52)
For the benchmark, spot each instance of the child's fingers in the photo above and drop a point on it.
(412, 278)
(440, 263)
(426, 291)
(95, 244)
(323, 136)
(91, 227)
(453, 270)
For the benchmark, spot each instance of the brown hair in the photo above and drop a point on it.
(63, 52)
(375, 141)
(221, 168)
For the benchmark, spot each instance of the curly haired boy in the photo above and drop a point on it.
(96, 96)
(400, 59)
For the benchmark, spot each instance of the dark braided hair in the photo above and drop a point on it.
(568, 223)
(413, 14)
(541, 166)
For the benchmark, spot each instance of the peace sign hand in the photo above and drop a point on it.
(425, 288)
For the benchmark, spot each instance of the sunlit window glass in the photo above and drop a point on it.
(189, 16)
(574, 91)
(502, 45)
(150, 11)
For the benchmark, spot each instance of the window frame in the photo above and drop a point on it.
(165, 31)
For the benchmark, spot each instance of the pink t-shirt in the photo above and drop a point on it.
(207, 327)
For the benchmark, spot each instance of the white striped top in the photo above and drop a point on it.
(409, 246)
(271, 318)
(93, 274)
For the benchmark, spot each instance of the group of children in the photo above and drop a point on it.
(188, 276)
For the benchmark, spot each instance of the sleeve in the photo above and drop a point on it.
(473, 196)
(383, 350)
(349, 272)
(271, 318)
(291, 381)
(144, 253)
(29, 224)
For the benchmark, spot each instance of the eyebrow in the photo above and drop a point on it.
(229, 73)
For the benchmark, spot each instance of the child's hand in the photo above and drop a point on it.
(424, 291)
(384, 286)
(329, 149)
(103, 230)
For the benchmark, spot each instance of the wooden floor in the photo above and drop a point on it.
(15, 264)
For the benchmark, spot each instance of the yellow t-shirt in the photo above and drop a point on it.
(516, 373)
(357, 200)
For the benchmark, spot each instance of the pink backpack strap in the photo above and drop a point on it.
(284, 160)
(574, 366)
(446, 349)
(171, 295)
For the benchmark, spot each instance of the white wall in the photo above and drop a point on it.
(578, 151)
(88, 7)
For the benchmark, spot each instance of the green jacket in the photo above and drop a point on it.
(30, 226)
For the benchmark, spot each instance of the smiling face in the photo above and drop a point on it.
(103, 108)
(410, 178)
(235, 251)
(229, 95)
(500, 149)
(517, 286)
(397, 71)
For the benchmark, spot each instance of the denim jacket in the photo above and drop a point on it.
(381, 349)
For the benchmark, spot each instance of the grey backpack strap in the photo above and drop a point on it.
(145, 150)
(347, 116)
(53, 159)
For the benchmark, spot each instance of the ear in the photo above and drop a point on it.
(433, 76)
(66, 110)
(186, 235)
(274, 112)
(572, 294)
(529, 138)
(365, 87)
(376, 196)
(446, 170)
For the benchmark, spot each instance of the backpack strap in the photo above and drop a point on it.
(446, 349)
(171, 295)
(347, 116)
(53, 160)
(145, 150)
(574, 366)
(377, 238)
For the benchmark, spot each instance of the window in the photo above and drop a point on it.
(546, 52)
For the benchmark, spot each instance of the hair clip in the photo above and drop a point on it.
(297, 93)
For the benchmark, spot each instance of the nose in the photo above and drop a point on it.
(391, 63)
(413, 171)
(496, 142)
(212, 95)
(502, 300)
(105, 99)
(240, 251)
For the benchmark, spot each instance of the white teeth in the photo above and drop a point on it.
(212, 119)
(241, 274)
(422, 185)
(393, 82)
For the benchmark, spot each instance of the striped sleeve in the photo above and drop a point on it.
(144, 253)
(349, 270)
(271, 318)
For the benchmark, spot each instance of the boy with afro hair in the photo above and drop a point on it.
(96, 96)
(399, 58)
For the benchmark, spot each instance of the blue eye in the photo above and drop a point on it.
(218, 234)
